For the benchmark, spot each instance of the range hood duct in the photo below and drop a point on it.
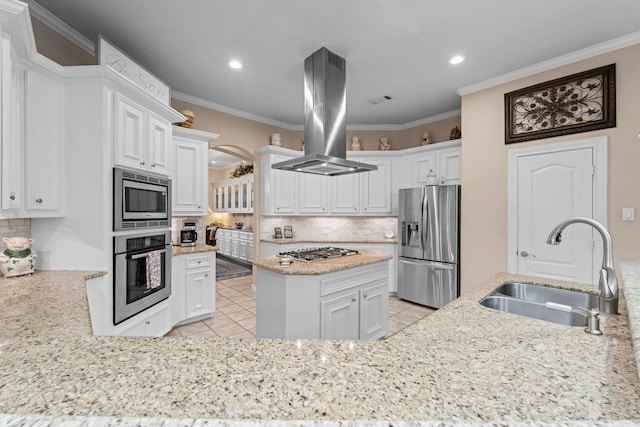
(325, 125)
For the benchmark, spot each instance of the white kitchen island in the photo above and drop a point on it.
(345, 298)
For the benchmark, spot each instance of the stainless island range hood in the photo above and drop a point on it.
(325, 128)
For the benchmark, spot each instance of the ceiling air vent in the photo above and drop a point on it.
(379, 100)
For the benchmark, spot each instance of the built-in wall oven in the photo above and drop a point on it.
(142, 272)
(140, 200)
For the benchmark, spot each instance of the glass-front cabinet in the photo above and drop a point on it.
(234, 194)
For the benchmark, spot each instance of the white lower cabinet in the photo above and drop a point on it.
(235, 243)
(193, 286)
(340, 317)
(351, 304)
(154, 322)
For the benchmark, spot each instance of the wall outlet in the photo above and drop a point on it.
(628, 214)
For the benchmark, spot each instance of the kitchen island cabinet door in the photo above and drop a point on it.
(374, 306)
(340, 317)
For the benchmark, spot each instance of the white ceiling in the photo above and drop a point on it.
(221, 160)
(398, 48)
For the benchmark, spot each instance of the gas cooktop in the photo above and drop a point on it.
(317, 254)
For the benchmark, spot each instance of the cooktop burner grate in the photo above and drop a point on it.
(318, 254)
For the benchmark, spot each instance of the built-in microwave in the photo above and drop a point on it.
(140, 200)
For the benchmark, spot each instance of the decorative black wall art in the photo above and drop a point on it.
(577, 103)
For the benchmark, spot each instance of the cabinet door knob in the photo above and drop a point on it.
(142, 163)
(38, 200)
(148, 322)
(198, 207)
(353, 299)
(206, 275)
(153, 165)
(365, 295)
(12, 197)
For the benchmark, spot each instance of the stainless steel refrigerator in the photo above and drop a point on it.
(429, 244)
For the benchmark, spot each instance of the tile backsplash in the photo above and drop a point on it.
(331, 227)
(14, 228)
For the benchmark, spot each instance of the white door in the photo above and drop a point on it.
(552, 187)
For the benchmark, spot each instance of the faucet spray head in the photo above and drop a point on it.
(554, 238)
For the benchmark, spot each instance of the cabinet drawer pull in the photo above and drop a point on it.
(365, 295)
(153, 165)
(142, 163)
(148, 322)
(353, 299)
(38, 200)
(206, 275)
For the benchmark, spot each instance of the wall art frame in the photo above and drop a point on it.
(580, 102)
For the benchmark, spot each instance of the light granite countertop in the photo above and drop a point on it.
(185, 250)
(285, 241)
(322, 267)
(462, 364)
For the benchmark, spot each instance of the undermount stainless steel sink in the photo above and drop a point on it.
(544, 294)
(541, 302)
(535, 310)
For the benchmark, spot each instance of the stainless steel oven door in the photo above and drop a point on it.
(142, 273)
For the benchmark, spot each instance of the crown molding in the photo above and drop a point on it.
(571, 57)
(233, 111)
(59, 26)
(223, 108)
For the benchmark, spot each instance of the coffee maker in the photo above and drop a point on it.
(188, 234)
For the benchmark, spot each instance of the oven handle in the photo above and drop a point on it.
(144, 254)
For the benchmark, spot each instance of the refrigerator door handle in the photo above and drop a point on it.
(434, 265)
(425, 207)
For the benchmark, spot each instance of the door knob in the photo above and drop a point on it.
(525, 254)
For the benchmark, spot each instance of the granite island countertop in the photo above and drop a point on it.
(296, 267)
(463, 363)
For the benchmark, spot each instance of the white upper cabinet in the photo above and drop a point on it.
(279, 189)
(189, 171)
(44, 153)
(159, 144)
(141, 139)
(421, 166)
(449, 166)
(11, 102)
(375, 188)
(366, 193)
(129, 131)
(443, 159)
(344, 194)
(313, 194)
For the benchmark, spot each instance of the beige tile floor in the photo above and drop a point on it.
(235, 315)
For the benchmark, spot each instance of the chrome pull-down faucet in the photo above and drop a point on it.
(608, 284)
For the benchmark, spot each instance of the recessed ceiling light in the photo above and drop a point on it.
(235, 64)
(456, 60)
